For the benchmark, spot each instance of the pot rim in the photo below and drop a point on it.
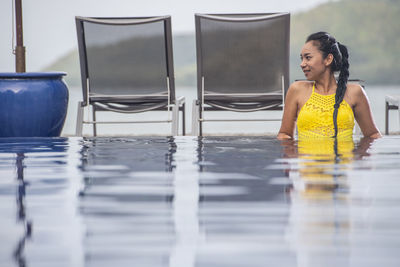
(32, 75)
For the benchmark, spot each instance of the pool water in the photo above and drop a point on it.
(192, 201)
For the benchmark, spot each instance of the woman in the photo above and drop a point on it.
(322, 106)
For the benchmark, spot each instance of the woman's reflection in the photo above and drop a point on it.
(319, 170)
(319, 222)
(322, 168)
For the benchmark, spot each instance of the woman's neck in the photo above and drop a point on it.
(326, 85)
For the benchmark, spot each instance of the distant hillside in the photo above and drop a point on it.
(370, 29)
(184, 62)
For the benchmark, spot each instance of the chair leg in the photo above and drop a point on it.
(79, 119)
(195, 118)
(183, 119)
(175, 120)
(386, 118)
(94, 121)
(398, 110)
(201, 116)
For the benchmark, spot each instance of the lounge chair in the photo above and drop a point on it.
(242, 64)
(127, 67)
(391, 102)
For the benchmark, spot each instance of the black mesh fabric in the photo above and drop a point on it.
(126, 59)
(242, 57)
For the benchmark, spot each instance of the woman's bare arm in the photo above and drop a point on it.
(363, 114)
(289, 114)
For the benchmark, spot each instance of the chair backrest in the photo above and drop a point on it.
(242, 53)
(126, 56)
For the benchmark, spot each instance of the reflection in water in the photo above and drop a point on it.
(21, 146)
(242, 215)
(186, 205)
(39, 165)
(21, 217)
(320, 224)
(127, 200)
(188, 201)
(321, 170)
(234, 169)
(181, 201)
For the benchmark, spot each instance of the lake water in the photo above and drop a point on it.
(376, 96)
(190, 201)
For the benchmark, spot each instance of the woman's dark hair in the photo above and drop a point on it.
(327, 44)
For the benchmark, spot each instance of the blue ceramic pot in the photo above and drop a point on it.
(32, 104)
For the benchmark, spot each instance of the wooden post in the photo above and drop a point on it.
(19, 49)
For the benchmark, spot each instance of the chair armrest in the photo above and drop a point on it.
(180, 100)
(393, 99)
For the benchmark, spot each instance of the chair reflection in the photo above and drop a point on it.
(239, 162)
(127, 161)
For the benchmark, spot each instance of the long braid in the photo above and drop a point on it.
(328, 45)
(342, 81)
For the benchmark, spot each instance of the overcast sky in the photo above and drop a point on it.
(49, 25)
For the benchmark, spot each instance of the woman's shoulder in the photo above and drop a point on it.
(299, 92)
(355, 89)
(300, 86)
(354, 94)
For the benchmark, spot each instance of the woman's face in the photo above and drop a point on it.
(313, 64)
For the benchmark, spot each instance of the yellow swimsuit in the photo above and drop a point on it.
(315, 118)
